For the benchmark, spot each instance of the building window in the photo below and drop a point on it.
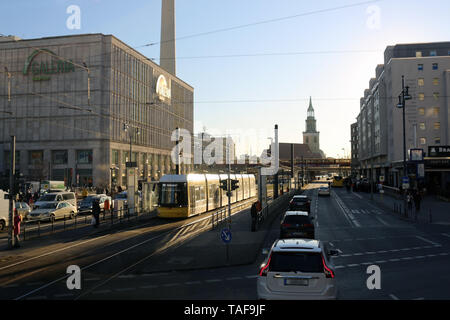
(433, 53)
(437, 140)
(59, 156)
(422, 111)
(35, 157)
(115, 157)
(437, 125)
(84, 156)
(423, 141)
(420, 67)
(435, 66)
(418, 54)
(421, 96)
(436, 95)
(420, 82)
(422, 126)
(436, 81)
(435, 111)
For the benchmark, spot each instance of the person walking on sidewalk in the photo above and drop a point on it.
(417, 199)
(254, 214)
(96, 212)
(409, 200)
(17, 221)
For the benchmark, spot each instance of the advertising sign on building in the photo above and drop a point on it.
(439, 151)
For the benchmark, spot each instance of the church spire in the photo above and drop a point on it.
(310, 109)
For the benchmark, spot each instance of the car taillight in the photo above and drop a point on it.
(309, 225)
(328, 272)
(286, 225)
(264, 268)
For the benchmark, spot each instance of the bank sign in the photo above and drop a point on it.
(42, 70)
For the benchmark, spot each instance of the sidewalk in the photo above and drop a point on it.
(207, 250)
(439, 209)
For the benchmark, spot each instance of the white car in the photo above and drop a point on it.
(324, 191)
(297, 269)
(53, 210)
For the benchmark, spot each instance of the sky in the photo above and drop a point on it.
(255, 63)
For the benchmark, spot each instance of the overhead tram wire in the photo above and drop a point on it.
(261, 22)
(232, 28)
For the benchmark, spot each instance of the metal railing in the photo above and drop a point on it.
(221, 215)
(46, 226)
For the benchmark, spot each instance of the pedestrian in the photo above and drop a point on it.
(96, 212)
(17, 221)
(417, 199)
(409, 200)
(254, 214)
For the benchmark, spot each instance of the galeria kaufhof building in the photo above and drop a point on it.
(70, 98)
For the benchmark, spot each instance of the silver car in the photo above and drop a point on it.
(297, 269)
(53, 211)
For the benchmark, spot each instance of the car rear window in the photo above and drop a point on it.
(296, 261)
(296, 220)
(68, 196)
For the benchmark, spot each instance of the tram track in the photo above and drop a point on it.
(138, 243)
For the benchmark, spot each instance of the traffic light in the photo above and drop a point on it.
(234, 184)
(224, 185)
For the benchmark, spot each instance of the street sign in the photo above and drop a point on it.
(405, 182)
(225, 234)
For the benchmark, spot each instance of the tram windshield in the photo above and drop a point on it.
(172, 194)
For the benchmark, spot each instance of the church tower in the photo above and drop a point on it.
(311, 135)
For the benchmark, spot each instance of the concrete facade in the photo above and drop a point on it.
(70, 99)
(380, 123)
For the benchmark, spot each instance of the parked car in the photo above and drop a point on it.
(56, 197)
(23, 209)
(300, 203)
(85, 205)
(297, 224)
(53, 211)
(297, 269)
(324, 191)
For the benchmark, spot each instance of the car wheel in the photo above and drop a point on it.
(2, 225)
(72, 215)
(52, 218)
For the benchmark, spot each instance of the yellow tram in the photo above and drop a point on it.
(182, 196)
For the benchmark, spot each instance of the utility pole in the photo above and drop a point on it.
(404, 95)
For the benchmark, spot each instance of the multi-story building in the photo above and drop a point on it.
(71, 98)
(426, 70)
(354, 152)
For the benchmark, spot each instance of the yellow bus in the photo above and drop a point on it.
(338, 181)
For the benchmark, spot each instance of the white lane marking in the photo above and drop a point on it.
(382, 221)
(101, 291)
(51, 252)
(213, 280)
(355, 194)
(421, 298)
(63, 295)
(234, 278)
(393, 297)
(170, 284)
(429, 241)
(251, 277)
(446, 235)
(148, 287)
(192, 282)
(38, 298)
(124, 289)
(350, 218)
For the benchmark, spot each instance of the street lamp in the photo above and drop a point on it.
(404, 95)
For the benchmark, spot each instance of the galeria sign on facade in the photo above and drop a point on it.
(48, 65)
